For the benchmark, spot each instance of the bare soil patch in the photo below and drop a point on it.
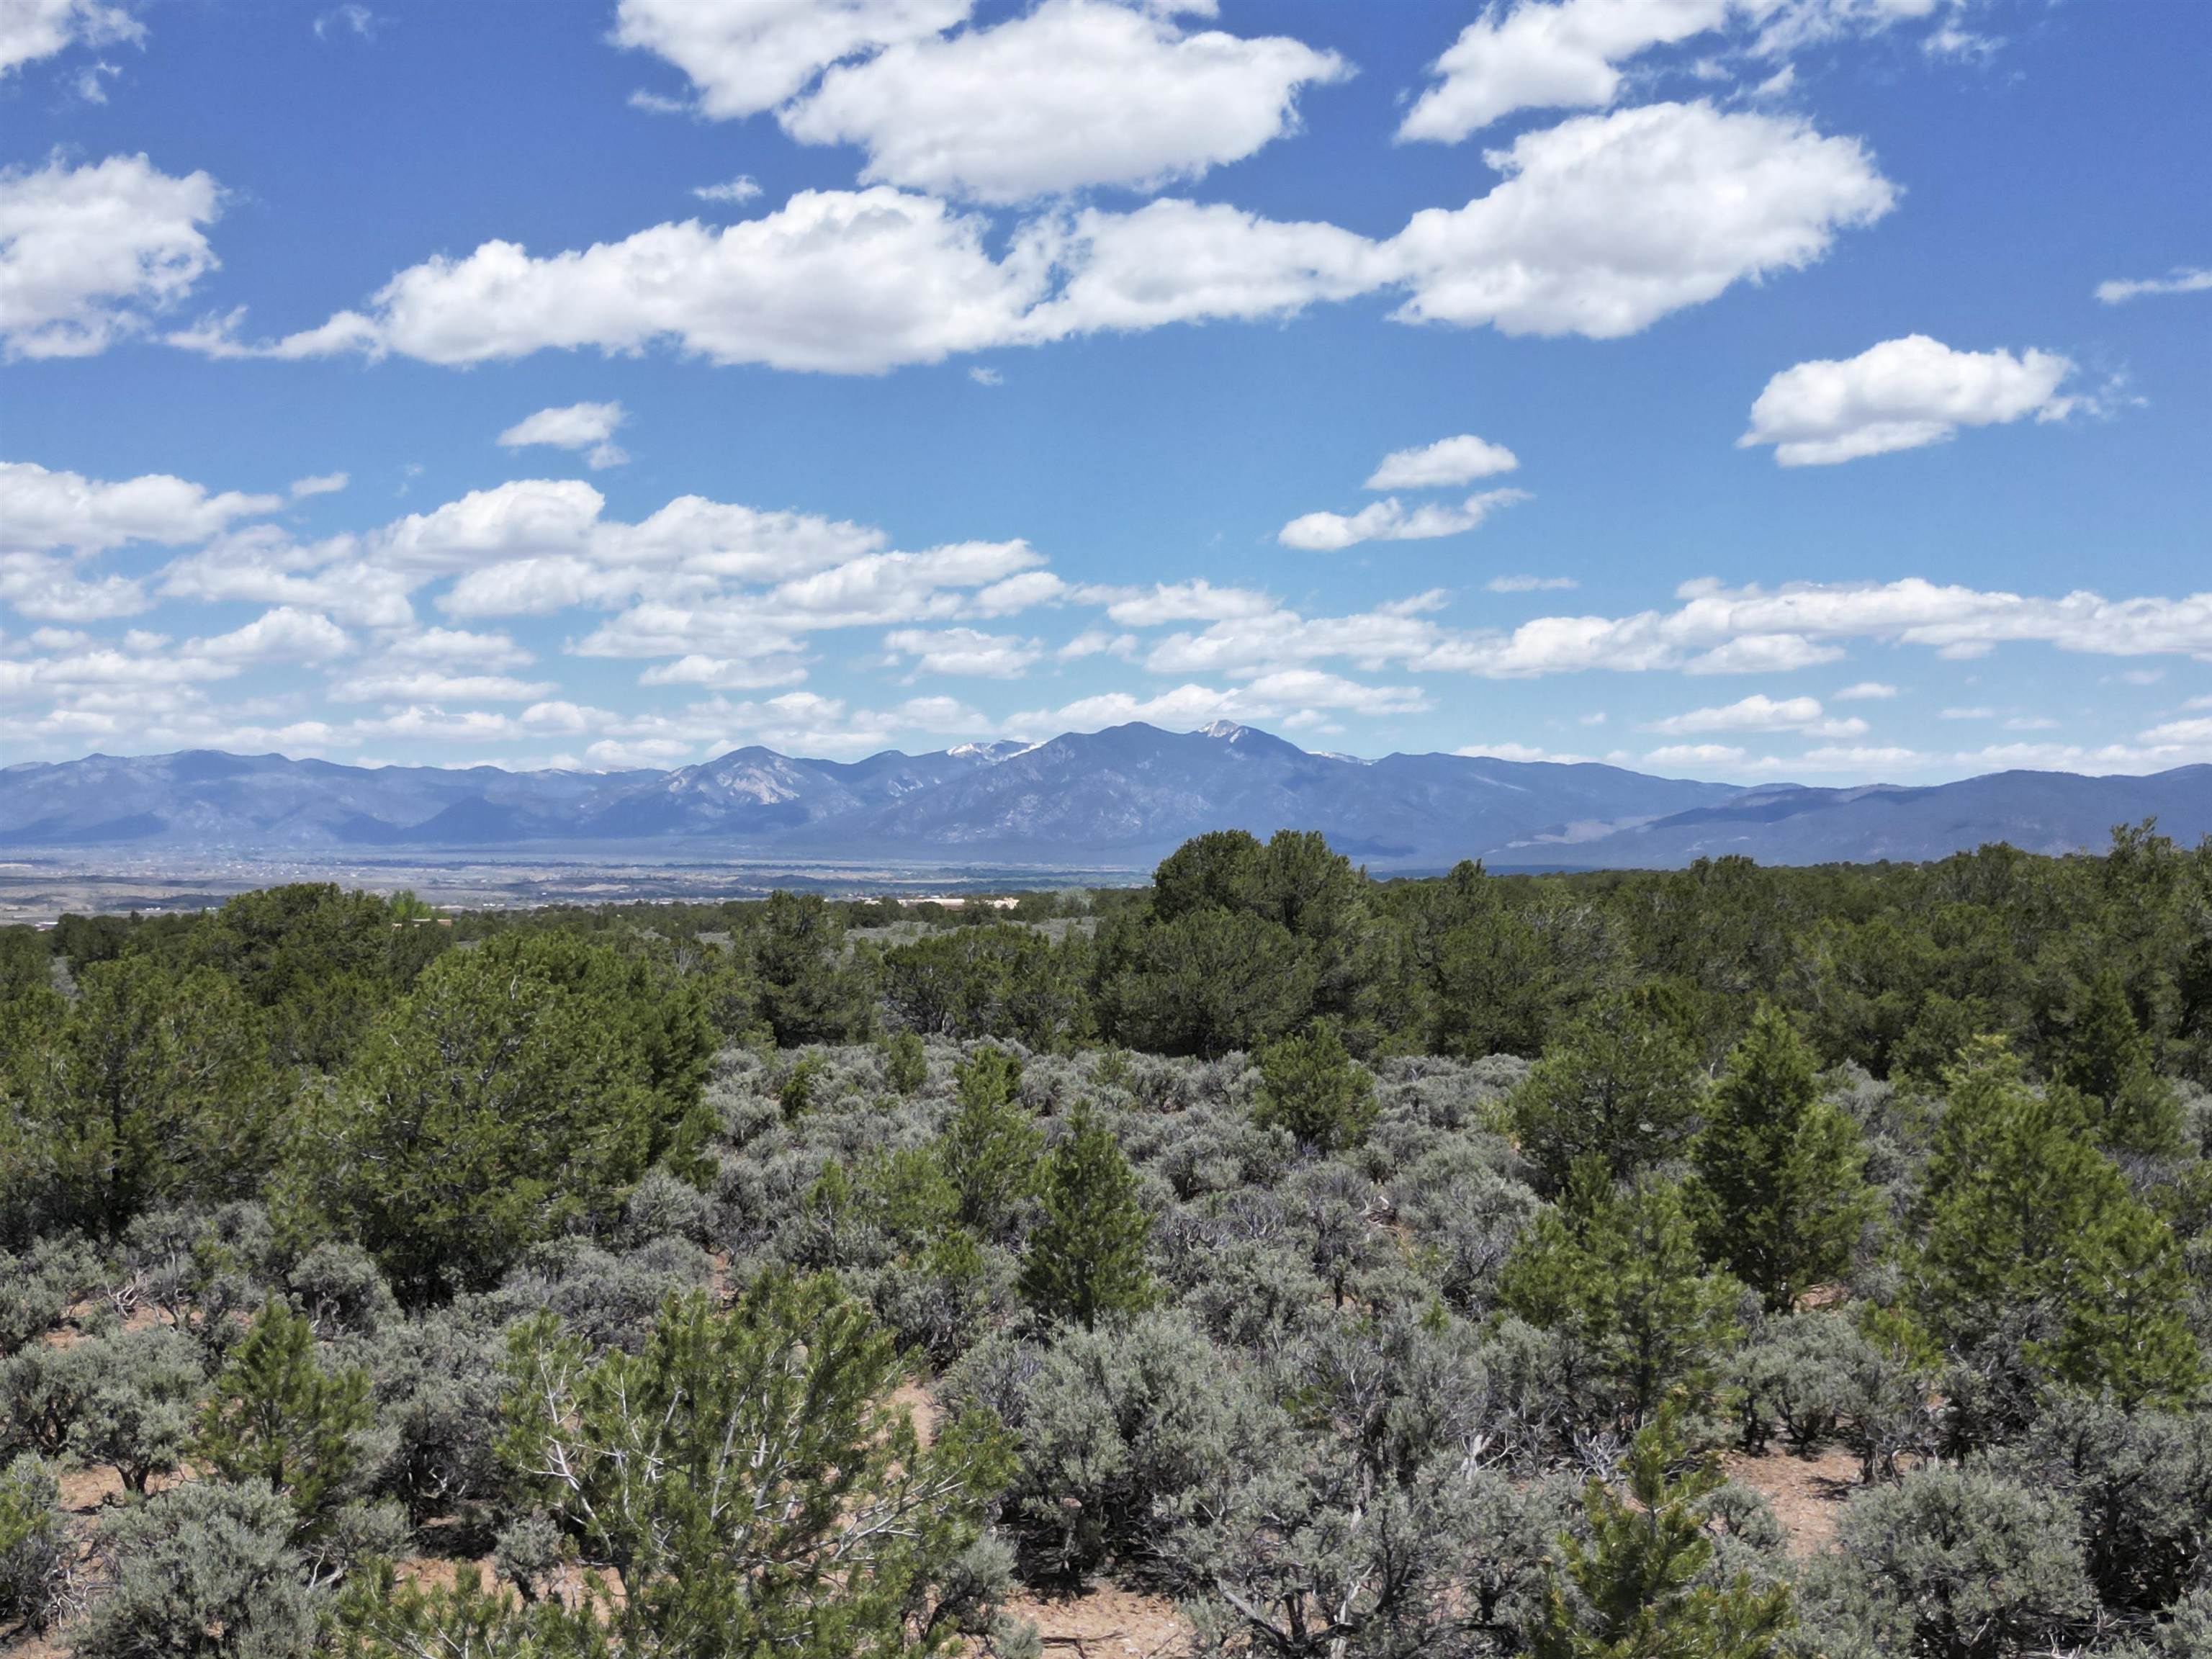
(1105, 1621)
(1807, 1494)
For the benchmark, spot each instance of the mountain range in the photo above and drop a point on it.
(1111, 799)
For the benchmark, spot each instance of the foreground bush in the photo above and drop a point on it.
(745, 1484)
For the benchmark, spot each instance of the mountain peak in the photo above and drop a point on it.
(997, 750)
(1114, 799)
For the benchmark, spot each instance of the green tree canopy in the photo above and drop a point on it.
(517, 1089)
(277, 1416)
(1311, 1087)
(1621, 1085)
(990, 1147)
(153, 1084)
(2107, 1057)
(994, 979)
(1086, 1255)
(1633, 1591)
(1617, 1273)
(746, 1479)
(2032, 1244)
(808, 992)
(1781, 1171)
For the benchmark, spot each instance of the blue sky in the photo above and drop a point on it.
(1745, 389)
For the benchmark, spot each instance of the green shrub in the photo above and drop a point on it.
(33, 1550)
(1633, 1587)
(1796, 1375)
(1311, 1086)
(1618, 1276)
(744, 1479)
(279, 1417)
(38, 1286)
(1114, 1425)
(136, 1415)
(906, 1063)
(1963, 1564)
(1780, 1171)
(990, 1147)
(1085, 1258)
(203, 1571)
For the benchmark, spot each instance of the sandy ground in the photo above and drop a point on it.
(1807, 1494)
(1106, 1622)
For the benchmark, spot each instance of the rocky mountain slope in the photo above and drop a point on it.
(1119, 796)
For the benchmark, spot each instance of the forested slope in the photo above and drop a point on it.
(1369, 1269)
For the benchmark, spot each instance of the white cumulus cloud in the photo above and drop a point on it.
(1447, 462)
(964, 651)
(850, 282)
(42, 509)
(1900, 394)
(588, 427)
(1390, 520)
(1577, 54)
(1072, 94)
(33, 29)
(284, 635)
(1760, 712)
(1532, 55)
(88, 254)
(1606, 223)
(1601, 225)
(1173, 261)
(748, 58)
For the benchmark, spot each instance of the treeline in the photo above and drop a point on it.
(1891, 968)
(1375, 1268)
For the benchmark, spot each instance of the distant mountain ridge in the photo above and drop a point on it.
(1121, 796)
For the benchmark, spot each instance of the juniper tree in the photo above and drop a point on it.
(1309, 1086)
(905, 1062)
(1086, 1255)
(1780, 1171)
(2035, 1260)
(2107, 1057)
(153, 1085)
(1620, 1085)
(808, 993)
(514, 1092)
(989, 1147)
